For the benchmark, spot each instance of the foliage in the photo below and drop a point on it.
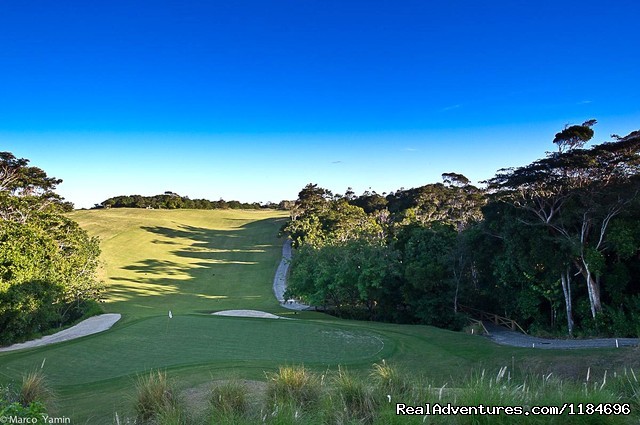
(455, 203)
(27, 403)
(350, 276)
(389, 381)
(353, 400)
(155, 397)
(428, 259)
(293, 384)
(349, 260)
(35, 411)
(520, 248)
(331, 221)
(34, 388)
(229, 399)
(47, 262)
(577, 196)
(172, 201)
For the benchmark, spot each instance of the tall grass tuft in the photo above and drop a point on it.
(174, 415)
(293, 385)
(229, 400)
(389, 381)
(627, 384)
(34, 388)
(353, 401)
(156, 400)
(491, 390)
(535, 390)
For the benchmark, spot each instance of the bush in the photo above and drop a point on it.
(28, 402)
(35, 410)
(47, 271)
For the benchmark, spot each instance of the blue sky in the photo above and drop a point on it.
(251, 100)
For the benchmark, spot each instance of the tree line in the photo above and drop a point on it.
(554, 244)
(47, 262)
(171, 200)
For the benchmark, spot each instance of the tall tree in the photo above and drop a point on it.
(47, 262)
(575, 193)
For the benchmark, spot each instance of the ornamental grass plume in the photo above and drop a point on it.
(155, 397)
(230, 399)
(389, 380)
(293, 384)
(34, 388)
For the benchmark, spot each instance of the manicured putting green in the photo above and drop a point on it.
(160, 342)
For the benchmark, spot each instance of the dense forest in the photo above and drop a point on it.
(47, 262)
(554, 244)
(171, 200)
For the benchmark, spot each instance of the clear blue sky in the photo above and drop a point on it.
(251, 100)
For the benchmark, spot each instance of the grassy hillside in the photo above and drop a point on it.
(195, 262)
(186, 260)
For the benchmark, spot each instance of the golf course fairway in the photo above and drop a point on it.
(196, 262)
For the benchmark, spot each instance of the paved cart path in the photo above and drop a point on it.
(504, 336)
(280, 280)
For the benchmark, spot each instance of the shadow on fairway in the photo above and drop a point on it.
(193, 268)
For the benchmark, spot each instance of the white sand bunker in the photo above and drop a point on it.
(90, 326)
(247, 313)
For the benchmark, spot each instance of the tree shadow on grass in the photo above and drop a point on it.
(202, 265)
(163, 267)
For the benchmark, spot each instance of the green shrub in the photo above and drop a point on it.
(34, 410)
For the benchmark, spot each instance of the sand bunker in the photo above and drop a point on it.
(90, 326)
(247, 313)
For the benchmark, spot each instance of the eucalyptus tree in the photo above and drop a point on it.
(322, 218)
(456, 202)
(575, 193)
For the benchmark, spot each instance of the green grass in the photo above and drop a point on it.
(186, 260)
(294, 385)
(154, 396)
(229, 400)
(198, 340)
(195, 262)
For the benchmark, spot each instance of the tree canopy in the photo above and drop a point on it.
(170, 200)
(47, 262)
(553, 244)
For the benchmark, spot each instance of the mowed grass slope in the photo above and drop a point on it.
(186, 260)
(195, 262)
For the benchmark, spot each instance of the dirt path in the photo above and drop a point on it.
(504, 336)
(90, 326)
(280, 280)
